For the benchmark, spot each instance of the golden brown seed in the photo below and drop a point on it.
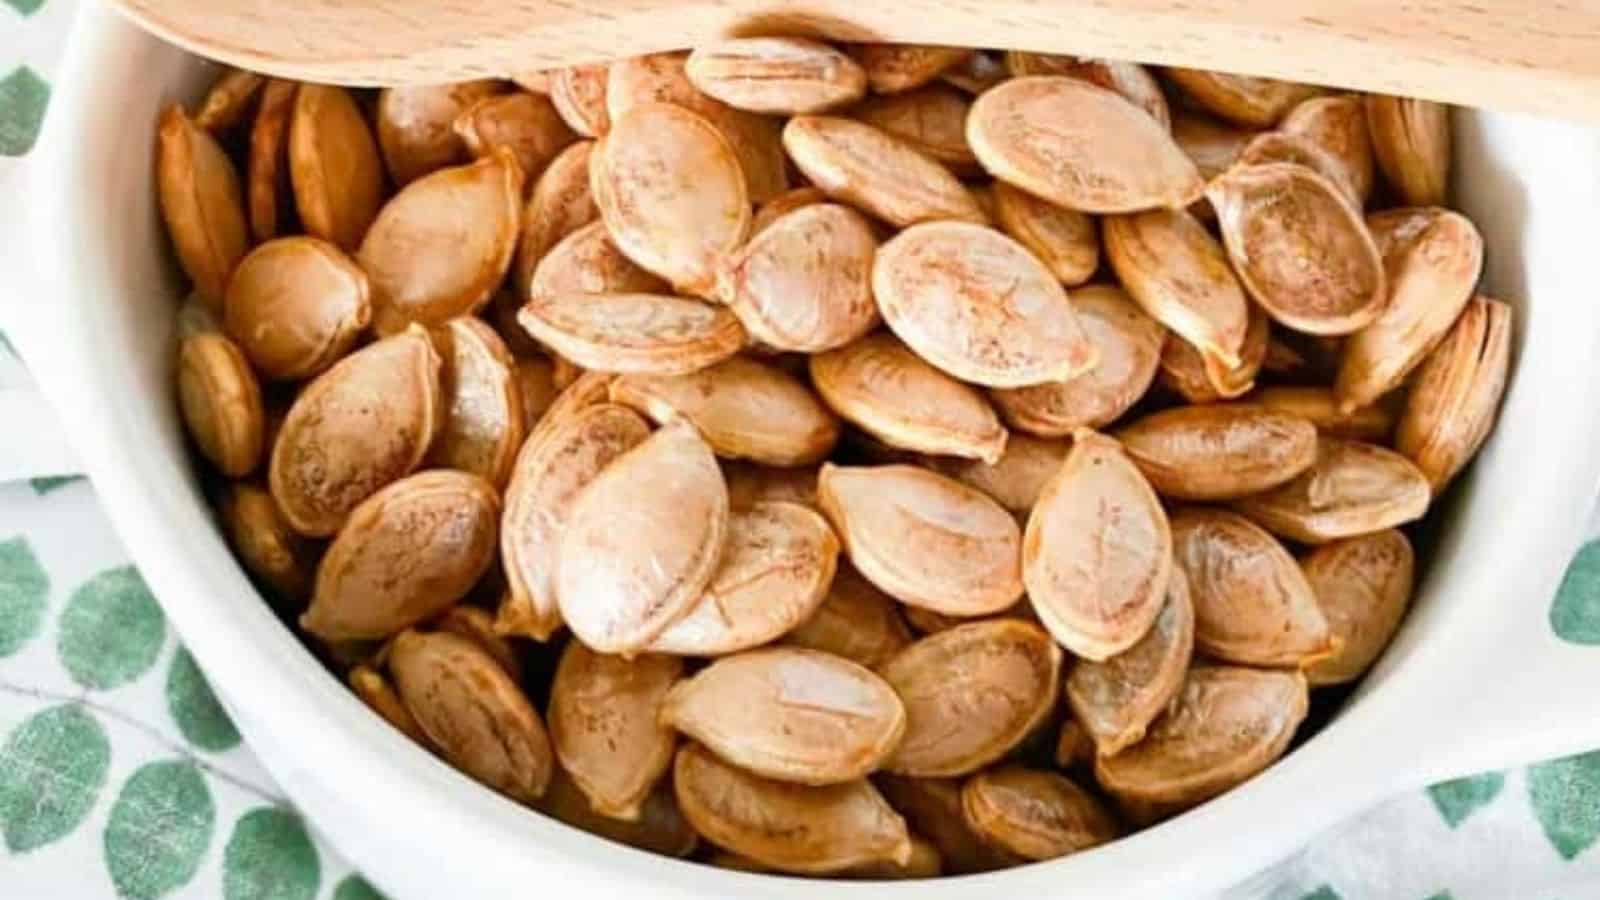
(579, 94)
(654, 334)
(1115, 701)
(1252, 604)
(559, 204)
(1212, 146)
(587, 262)
(266, 545)
(1128, 344)
(1433, 257)
(745, 409)
(296, 305)
(1411, 140)
(925, 622)
(1320, 407)
(408, 553)
(660, 827)
(379, 696)
(1299, 247)
(978, 73)
(679, 227)
(790, 827)
(360, 425)
(891, 393)
(605, 726)
(201, 202)
(221, 403)
(1034, 814)
(926, 540)
(334, 164)
(932, 119)
(472, 712)
(791, 714)
(770, 212)
(1352, 489)
(1227, 724)
(1202, 378)
(933, 807)
(978, 305)
(776, 566)
(477, 625)
(925, 862)
(1284, 147)
(270, 193)
(561, 456)
(484, 425)
(1338, 125)
(881, 174)
(892, 68)
(1118, 160)
(804, 283)
(972, 693)
(642, 541)
(1221, 451)
(1178, 272)
(536, 382)
(750, 484)
(1097, 553)
(1073, 744)
(416, 125)
(1065, 240)
(527, 124)
(474, 210)
(1015, 480)
(229, 100)
(856, 621)
(1363, 586)
(1241, 99)
(784, 76)
(1133, 81)
(1453, 401)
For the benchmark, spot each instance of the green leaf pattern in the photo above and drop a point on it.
(1459, 798)
(159, 829)
(24, 588)
(270, 857)
(52, 767)
(111, 631)
(195, 708)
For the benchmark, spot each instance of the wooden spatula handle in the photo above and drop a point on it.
(1522, 55)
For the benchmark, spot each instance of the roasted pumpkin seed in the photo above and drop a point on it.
(653, 334)
(526, 124)
(484, 425)
(777, 75)
(1221, 451)
(1034, 814)
(201, 202)
(1411, 140)
(855, 621)
(1244, 100)
(1352, 489)
(221, 403)
(892, 68)
(932, 119)
(296, 305)
(1363, 586)
(1065, 240)
(1456, 394)
(875, 171)
(1178, 272)
(334, 165)
(416, 126)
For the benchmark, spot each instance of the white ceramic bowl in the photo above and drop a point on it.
(1476, 679)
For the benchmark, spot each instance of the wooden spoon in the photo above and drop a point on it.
(1492, 53)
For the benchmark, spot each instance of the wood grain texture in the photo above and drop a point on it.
(1540, 58)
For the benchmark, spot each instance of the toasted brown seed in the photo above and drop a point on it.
(1034, 814)
(1285, 147)
(933, 807)
(791, 714)
(296, 305)
(579, 93)
(473, 712)
(1433, 257)
(1065, 240)
(360, 425)
(270, 194)
(1097, 553)
(1453, 401)
(605, 726)
(536, 381)
(1073, 745)
(660, 827)
(1115, 701)
(978, 73)
(1118, 159)
(1221, 451)
(750, 484)
(265, 543)
(561, 456)
(972, 694)
(1252, 605)
(474, 210)
(1178, 272)
(926, 622)
(1133, 81)
(1228, 723)
(1203, 378)
(1411, 140)
(1242, 99)
(1363, 586)
(201, 202)
(1128, 344)
(1212, 146)
(221, 403)
(587, 262)
(1338, 125)
(925, 862)
(804, 283)
(654, 334)
(642, 541)
(484, 425)
(770, 212)
(855, 621)
(334, 164)
(776, 566)
(875, 171)
(559, 204)
(978, 305)
(477, 625)
(1016, 479)
(1320, 407)
(525, 123)
(892, 68)
(1352, 489)
(932, 119)
(924, 539)
(1299, 247)
(790, 827)
(229, 100)
(379, 696)
(416, 126)
(408, 553)
(885, 389)
(777, 75)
